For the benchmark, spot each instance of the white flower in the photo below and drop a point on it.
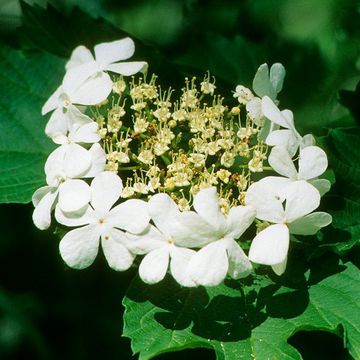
(288, 137)
(254, 110)
(312, 163)
(221, 254)
(243, 94)
(100, 223)
(72, 194)
(166, 242)
(67, 122)
(83, 69)
(267, 196)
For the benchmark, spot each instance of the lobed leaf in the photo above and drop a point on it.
(166, 317)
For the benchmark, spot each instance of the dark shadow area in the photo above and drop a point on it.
(218, 317)
(319, 345)
(48, 311)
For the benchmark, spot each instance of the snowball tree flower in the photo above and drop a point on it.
(101, 222)
(312, 163)
(287, 137)
(287, 205)
(166, 242)
(64, 186)
(74, 130)
(221, 254)
(83, 68)
(65, 118)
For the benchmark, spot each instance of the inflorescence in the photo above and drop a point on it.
(185, 178)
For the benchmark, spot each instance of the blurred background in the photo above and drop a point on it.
(48, 311)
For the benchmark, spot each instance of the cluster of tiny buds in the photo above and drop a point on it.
(182, 145)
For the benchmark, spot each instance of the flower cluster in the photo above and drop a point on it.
(194, 183)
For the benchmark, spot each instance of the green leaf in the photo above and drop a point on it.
(26, 81)
(59, 34)
(344, 200)
(165, 317)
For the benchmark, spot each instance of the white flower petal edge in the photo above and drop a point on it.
(209, 266)
(154, 265)
(312, 162)
(282, 163)
(206, 204)
(43, 200)
(310, 224)
(270, 246)
(79, 247)
(179, 265)
(116, 253)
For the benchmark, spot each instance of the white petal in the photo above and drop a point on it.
(54, 165)
(279, 269)
(285, 138)
(117, 255)
(239, 219)
(93, 90)
(310, 224)
(179, 265)
(270, 246)
(281, 162)
(77, 160)
(105, 191)
(98, 160)
(323, 185)
(53, 102)
(131, 215)
(76, 76)
(127, 68)
(271, 111)
(266, 197)
(77, 118)
(206, 203)
(307, 140)
(57, 126)
(150, 239)
(289, 116)
(239, 264)
(109, 52)
(86, 134)
(163, 210)
(40, 193)
(209, 266)
(79, 247)
(301, 199)
(74, 195)
(81, 55)
(312, 162)
(44, 198)
(85, 217)
(154, 265)
(190, 230)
